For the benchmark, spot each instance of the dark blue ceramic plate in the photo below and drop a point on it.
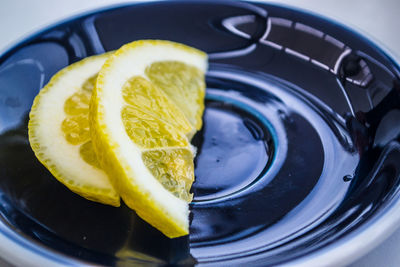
(298, 159)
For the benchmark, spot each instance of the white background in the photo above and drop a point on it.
(379, 19)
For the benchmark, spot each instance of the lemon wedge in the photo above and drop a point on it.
(59, 131)
(141, 131)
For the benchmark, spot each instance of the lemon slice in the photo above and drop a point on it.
(59, 131)
(141, 135)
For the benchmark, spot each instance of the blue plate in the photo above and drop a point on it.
(298, 159)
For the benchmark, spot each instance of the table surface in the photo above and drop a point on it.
(377, 19)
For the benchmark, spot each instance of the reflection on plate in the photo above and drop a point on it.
(285, 173)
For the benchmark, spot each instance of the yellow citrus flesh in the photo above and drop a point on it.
(140, 134)
(139, 93)
(59, 131)
(183, 84)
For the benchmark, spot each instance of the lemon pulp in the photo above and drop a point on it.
(184, 84)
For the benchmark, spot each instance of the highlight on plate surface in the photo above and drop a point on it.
(118, 126)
